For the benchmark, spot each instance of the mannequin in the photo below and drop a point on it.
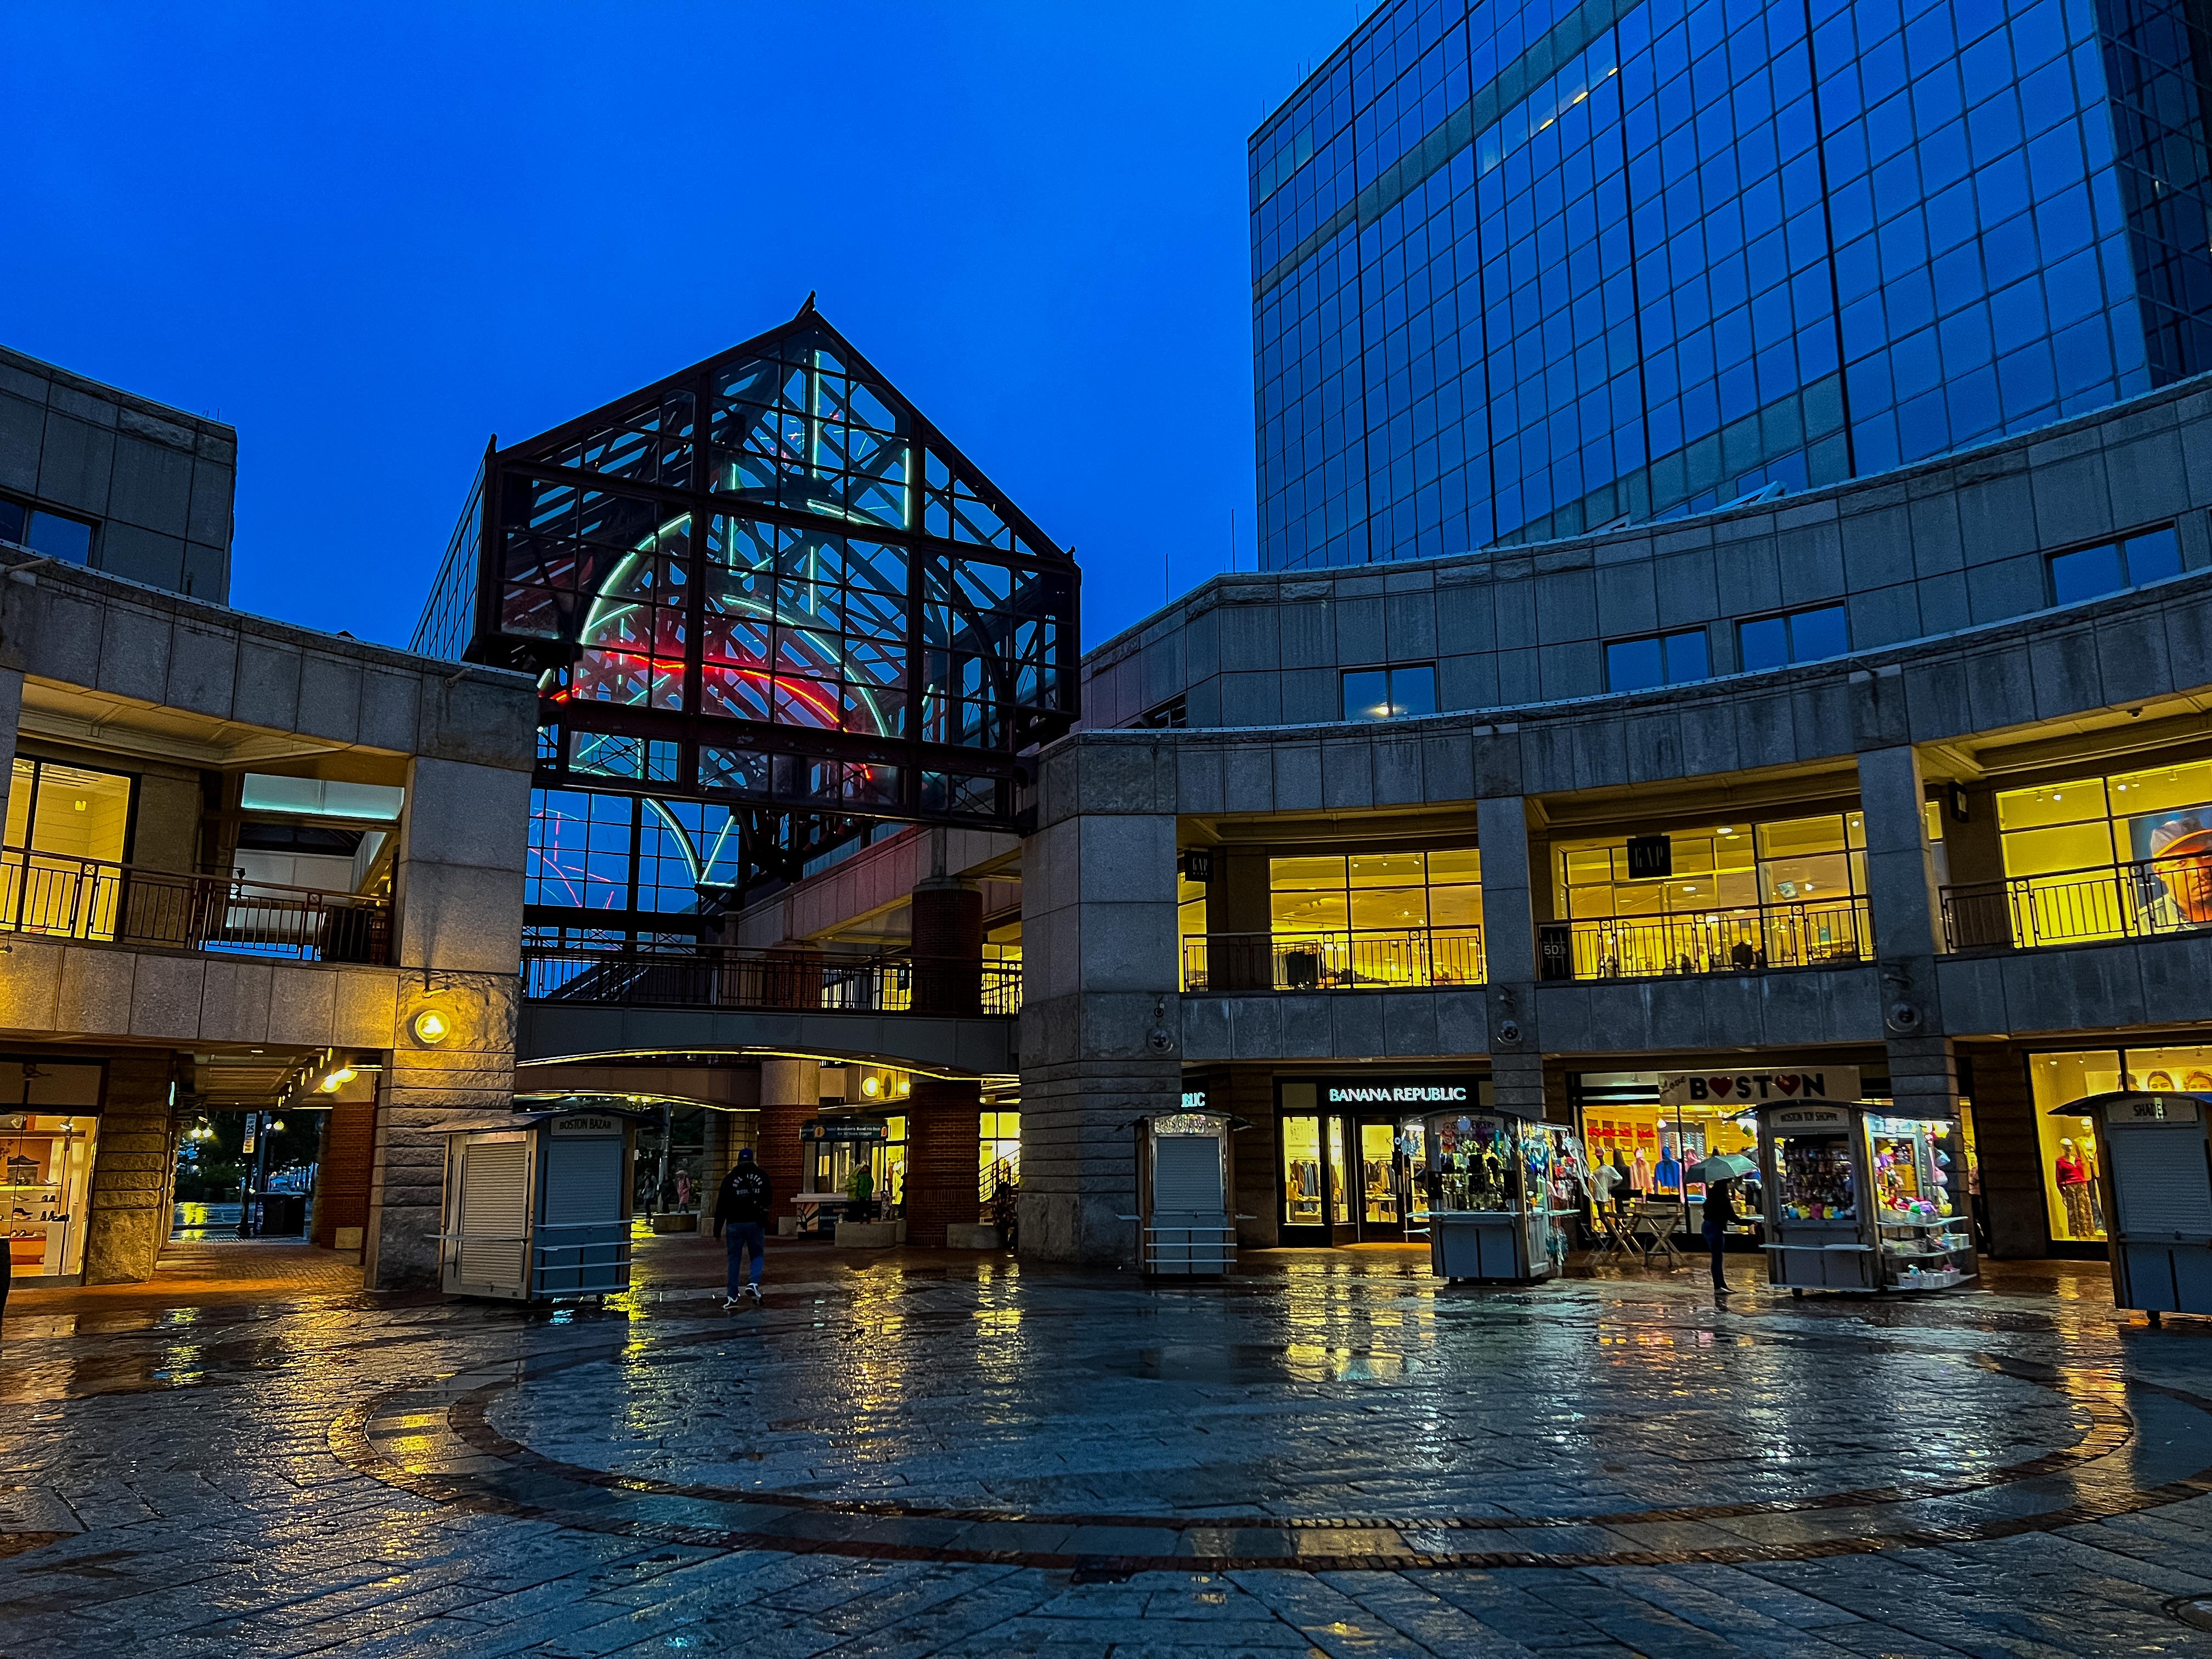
(1670, 1168)
(2072, 1171)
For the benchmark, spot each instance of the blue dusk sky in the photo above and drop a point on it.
(370, 237)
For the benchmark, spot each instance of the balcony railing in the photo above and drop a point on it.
(718, 976)
(1743, 939)
(122, 904)
(1356, 960)
(2078, 907)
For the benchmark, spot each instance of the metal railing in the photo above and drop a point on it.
(2138, 900)
(1742, 938)
(1355, 960)
(123, 904)
(721, 976)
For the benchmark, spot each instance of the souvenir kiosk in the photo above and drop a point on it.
(1502, 1200)
(1858, 1200)
(1186, 1211)
(537, 1205)
(2155, 1162)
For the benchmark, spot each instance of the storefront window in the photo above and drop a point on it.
(2109, 857)
(1654, 1145)
(1190, 928)
(45, 1163)
(1736, 895)
(999, 1141)
(1339, 1204)
(1377, 919)
(1301, 1172)
(1378, 1174)
(2073, 1199)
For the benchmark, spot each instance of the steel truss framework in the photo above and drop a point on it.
(767, 582)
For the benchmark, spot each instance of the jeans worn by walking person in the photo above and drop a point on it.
(740, 1237)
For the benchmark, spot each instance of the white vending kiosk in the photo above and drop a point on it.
(537, 1205)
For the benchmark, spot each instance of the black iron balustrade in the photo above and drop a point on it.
(2138, 900)
(1349, 960)
(1735, 939)
(723, 976)
(107, 902)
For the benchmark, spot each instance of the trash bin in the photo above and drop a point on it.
(282, 1215)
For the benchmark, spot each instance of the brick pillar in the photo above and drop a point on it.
(944, 1158)
(942, 1144)
(947, 928)
(342, 1174)
(791, 1093)
(128, 1218)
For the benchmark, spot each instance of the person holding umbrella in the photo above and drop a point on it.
(1720, 1173)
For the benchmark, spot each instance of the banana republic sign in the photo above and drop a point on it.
(1739, 1088)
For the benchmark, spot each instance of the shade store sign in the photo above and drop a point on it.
(1757, 1088)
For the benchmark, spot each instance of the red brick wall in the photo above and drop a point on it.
(342, 1181)
(944, 1154)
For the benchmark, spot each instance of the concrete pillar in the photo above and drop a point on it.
(1901, 873)
(1903, 899)
(791, 1093)
(1509, 932)
(127, 1217)
(1239, 920)
(457, 880)
(1101, 1034)
(466, 1074)
(11, 706)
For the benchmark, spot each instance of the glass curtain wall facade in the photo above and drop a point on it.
(1528, 267)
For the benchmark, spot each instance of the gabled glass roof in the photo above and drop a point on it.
(769, 581)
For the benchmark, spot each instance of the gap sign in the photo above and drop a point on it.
(1757, 1088)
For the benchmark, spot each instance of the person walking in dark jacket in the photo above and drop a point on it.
(742, 1208)
(1720, 1216)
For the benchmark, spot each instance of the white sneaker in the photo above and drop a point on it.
(728, 1302)
(756, 1290)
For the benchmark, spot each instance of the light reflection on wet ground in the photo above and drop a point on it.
(1332, 1433)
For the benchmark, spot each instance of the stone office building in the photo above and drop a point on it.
(1955, 850)
(242, 858)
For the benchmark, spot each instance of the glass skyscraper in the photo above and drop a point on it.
(1527, 267)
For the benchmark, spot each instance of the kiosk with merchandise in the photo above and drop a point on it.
(1502, 1200)
(2156, 1161)
(1857, 1199)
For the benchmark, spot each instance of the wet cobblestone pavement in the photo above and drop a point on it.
(926, 1454)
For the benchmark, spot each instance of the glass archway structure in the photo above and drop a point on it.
(769, 583)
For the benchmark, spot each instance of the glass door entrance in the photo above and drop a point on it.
(1351, 1179)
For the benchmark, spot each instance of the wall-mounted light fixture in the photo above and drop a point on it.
(432, 1027)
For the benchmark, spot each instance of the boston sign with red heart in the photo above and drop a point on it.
(1756, 1088)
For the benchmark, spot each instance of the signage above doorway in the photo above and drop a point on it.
(1716, 1088)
